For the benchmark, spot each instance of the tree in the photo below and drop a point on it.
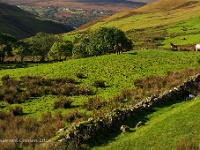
(23, 49)
(60, 49)
(6, 42)
(41, 43)
(81, 49)
(102, 41)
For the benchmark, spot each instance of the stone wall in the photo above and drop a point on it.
(84, 131)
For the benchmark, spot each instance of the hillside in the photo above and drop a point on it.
(23, 24)
(156, 24)
(173, 127)
(44, 100)
(167, 11)
(75, 13)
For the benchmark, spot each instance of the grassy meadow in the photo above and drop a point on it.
(118, 71)
(172, 127)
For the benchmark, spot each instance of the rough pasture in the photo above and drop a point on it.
(118, 71)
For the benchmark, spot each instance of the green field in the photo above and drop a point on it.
(167, 128)
(118, 71)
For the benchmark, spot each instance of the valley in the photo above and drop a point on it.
(56, 87)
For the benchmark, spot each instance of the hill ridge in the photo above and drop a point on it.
(22, 24)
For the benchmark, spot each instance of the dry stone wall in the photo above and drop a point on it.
(84, 131)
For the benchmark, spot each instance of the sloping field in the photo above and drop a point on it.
(172, 127)
(118, 71)
(169, 20)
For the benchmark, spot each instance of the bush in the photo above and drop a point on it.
(99, 83)
(63, 102)
(9, 98)
(4, 115)
(72, 116)
(94, 103)
(17, 110)
(5, 78)
(86, 90)
(80, 75)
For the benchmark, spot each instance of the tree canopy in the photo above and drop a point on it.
(6, 42)
(101, 42)
(40, 44)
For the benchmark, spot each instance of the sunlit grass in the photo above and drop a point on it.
(118, 71)
(165, 129)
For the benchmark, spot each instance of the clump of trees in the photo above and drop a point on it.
(41, 47)
(6, 43)
(102, 41)
(48, 47)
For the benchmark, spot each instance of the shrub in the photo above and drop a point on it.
(17, 110)
(47, 117)
(4, 115)
(63, 102)
(94, 103)
(9, 98)
(68, 89)
(80, 75)
(5, 78)
(72, 116)
(86, 90)
(99, 83)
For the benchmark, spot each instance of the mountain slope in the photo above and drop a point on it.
(155, 25)
(22, 24)
(153, 14)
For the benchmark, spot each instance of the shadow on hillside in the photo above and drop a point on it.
(12, 65)
(132, 53)
(110, 136)
(15, 65)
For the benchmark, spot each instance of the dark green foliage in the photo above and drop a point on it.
(63, 102)
(6, 42)
(59, 49)
(23, 49)
(99, 84)
(102, 42)
(40, 44)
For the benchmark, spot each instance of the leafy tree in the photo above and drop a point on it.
(81, 49)
(60, 49)
(23, 49)
(6, 42)
(102, 41)
(41, 43)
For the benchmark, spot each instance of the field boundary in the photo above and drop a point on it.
(86, 130)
